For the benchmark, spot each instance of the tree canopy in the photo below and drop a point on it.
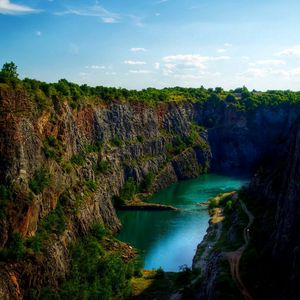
(80, 95)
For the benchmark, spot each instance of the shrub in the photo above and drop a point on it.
(130, 188)
(147, 183)
(185, 275)
(95, 147)
(40, 181)
(66, 165)
(78, 159)
(98, 231)
(91, 185)
(5, 193)
(140, 139)
(95, 274)
(160, 273)
(117, 141)
(16, 249)
(102, 166)
(54, 222)
(52, 148)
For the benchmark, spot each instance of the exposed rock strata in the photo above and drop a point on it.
(137, 139)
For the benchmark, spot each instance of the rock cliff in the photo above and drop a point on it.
(80, 159)
(63, 163)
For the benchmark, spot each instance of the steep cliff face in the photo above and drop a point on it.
(276, 243)
(240, 141)
(79, 160)
(65, 165)
(270, 264)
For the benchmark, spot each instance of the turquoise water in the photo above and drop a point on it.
(169, 239)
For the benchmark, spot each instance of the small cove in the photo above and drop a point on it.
(169, 239)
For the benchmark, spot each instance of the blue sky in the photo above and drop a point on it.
(155, 43)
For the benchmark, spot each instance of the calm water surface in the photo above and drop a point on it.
(169, 239)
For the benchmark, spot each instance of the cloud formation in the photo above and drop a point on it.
(268, 62)
(192, 60)
(94, 11)
(138, 50)
(8, 8)
(95, 67)
(292, 51)
(134, 62)
(139, 71)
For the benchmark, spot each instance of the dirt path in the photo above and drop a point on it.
(208, 243)
(235, 256)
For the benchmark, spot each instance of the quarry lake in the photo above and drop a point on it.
(169, 239)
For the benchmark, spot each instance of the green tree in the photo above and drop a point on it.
(10, 69)
(8, 72)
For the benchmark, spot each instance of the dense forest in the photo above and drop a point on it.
(81, 95)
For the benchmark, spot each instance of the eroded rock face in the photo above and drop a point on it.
(136, 139)
(284, 243)
(271, 264)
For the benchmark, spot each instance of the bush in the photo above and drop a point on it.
(102, 166)
(55, 222)
(98, 231)
(147, 183)
(66, 165)
(78, 159)
(140, 139)
(5, 193)
(130, 188)
(52, 148)
(95, 147)
(117, 141)
(160, 273)
(91, 185)
(16, 249)
(40, 181)
(185, 275)
(95, 274)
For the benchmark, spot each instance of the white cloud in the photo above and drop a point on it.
(292, 51)
(157, 66)
(138, 50)
(8, 8)
(227, 45)
(221, 50)
(108, 20)
(134, 62)
(264, 72)
(139, 71)
(95, 67)
(93, 11)
(268, 62)
(111, 73)
(192, 60)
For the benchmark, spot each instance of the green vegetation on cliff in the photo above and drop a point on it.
(80, 95)
(97, 272)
